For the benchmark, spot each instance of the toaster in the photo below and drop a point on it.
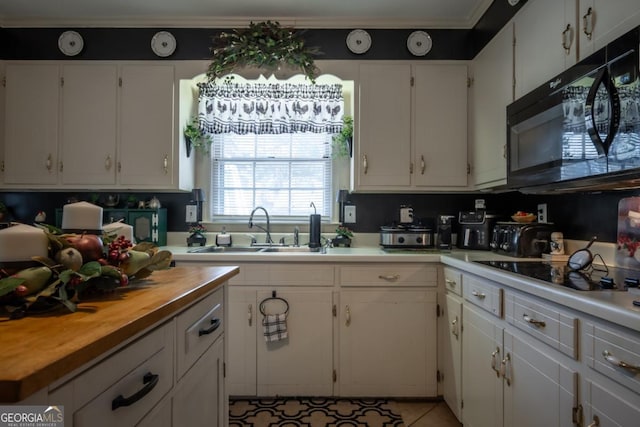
(521, 240)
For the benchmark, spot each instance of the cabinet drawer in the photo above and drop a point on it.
(484, 294)
(123, 375)
(547, 323)
(453, 280)
(389, 275)
(608, 350)
(198, 328)
(300, 274)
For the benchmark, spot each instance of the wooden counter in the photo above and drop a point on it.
(38, 350)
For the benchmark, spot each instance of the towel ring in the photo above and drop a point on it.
(271, 298)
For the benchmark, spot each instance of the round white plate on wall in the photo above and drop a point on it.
(358, 41)
(70, 43)
(419, 43)
(163, 43)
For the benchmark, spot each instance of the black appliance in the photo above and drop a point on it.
(581, 129)
(475, 230)
(521, 240)
(406, 236)
(600, 278)
(444, 231)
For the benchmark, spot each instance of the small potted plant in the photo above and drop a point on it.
(132, 201)
(343, 238)
(342, 142)
(197, 238)
(195, 138)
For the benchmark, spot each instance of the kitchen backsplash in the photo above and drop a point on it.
(579, 216)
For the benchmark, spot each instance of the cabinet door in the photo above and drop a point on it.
(302, 364)
(199, 397)
(388, 342)
(440, 125)
(450, 347)
(539, 53)
(31, 124)
(611, 405)
(490, 93)
(383, 153)
(241, 338)
(89, 124)
(607, 20)
(482, 391)
(146, 126)
(539, 389)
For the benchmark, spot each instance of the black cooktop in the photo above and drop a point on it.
(595, 278)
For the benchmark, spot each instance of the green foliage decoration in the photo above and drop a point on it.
(341, 142)
(263, 45)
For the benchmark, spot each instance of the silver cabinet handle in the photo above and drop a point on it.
(347, 316)
(389, 277)
(567, 39)
(422, 165)
(609, 357)
(107, 163)
(595, 422)
(365, 164)
(454, 327)
(48, 163)
(165, 164)
(451, 283)
(479, 295)
(506, 370)
(250, 314)
(494, 361)
(534, 322)
(587, 23)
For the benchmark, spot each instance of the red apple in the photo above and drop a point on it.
(89, 245)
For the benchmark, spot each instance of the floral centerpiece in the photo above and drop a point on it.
(78, 267)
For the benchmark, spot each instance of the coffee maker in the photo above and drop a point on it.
(444, 232)
(475, 229)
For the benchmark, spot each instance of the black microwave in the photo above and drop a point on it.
(580, 129)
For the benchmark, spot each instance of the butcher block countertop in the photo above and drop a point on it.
(37, 350)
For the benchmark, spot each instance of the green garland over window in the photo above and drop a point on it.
(263, 45)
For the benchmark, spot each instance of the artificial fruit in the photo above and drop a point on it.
(89, 245)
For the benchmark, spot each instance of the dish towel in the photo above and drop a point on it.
(275, 327)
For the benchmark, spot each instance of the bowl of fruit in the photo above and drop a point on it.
(523, 217)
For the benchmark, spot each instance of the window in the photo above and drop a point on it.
(283, 173)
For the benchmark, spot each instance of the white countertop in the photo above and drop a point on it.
(613, 306)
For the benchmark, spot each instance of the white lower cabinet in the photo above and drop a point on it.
(241, 338)
(171, 376)
(608, 405)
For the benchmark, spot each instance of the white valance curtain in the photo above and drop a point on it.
(270, 108)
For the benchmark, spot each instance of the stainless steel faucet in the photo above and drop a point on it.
(296, 236)
(266, 230)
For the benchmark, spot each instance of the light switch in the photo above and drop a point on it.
(349, 214)
(192, 213)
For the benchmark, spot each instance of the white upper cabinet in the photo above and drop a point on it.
(88, 134)
(489, 95)
(602, 21)
(146, 126)
(545, 33)
(32, 96)
(411, 132)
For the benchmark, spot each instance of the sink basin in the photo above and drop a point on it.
(222, 250)
(287, 249)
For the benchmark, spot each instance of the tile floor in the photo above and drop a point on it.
(426, 414)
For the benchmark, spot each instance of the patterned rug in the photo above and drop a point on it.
(312, 412)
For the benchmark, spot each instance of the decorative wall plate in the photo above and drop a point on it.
(358, 41)
(70, 43)
(419, 43)
(163, 43)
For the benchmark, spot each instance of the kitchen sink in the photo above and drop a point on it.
(287, 249)
(223, 249)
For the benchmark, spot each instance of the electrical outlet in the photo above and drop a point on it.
(191, 213)
(350, 214)
(542, 213)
